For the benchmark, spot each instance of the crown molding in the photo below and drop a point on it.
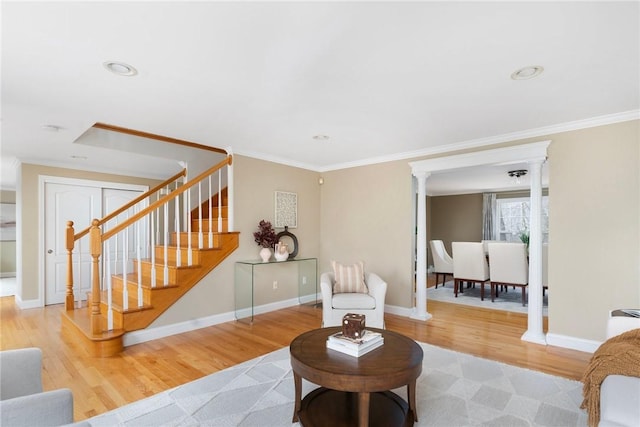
(458, 146)
(277, 159)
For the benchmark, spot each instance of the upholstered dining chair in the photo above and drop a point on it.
(485, 245)
(508, 266)
(345, 295)
(470, 265)
(442, 262)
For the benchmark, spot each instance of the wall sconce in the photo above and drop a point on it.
(320, 180)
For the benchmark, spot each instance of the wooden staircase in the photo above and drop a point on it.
(156, 298)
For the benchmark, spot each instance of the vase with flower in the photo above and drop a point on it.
(265, 237)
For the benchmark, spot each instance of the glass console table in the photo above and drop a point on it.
(245, 279)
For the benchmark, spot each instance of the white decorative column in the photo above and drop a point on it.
(534, 331)
(535, 155)
(420, 309)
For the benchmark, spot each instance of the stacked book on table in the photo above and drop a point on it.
(355, 346)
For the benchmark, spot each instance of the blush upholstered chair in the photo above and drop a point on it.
(508, 266)
(22, 401)
(369, 301)
(442, 262)
(470, 265)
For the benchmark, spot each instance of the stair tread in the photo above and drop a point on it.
(132, 278)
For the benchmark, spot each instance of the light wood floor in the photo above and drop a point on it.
(142, 370)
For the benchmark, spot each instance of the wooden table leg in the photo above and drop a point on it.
(363, 409)
(411, 398)
(297, 381)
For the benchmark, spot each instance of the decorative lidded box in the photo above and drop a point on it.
(353, 325)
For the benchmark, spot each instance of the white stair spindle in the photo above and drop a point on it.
(230, 209)
(125, 255)
(209, 196)
(200, 235)
(109, 287)
(219, 201)
(165, 280)
(187, 202)
(115, 260)
(177, 222)
(139, 260)
(153, 219)
(80, 276)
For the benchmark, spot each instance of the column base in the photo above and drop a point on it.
(420, 316)
(534, 337)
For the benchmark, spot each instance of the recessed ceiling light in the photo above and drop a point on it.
(120, 68)
(51, 128)
(527, 72)
(321, 137)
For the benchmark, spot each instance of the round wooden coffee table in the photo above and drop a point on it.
(355, 390)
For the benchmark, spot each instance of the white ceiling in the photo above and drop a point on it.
(383, 80)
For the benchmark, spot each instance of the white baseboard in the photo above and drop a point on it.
(573, 343)
(27, 304)
(149, 334)
(399, 311)
(7, 274)
(137, 337)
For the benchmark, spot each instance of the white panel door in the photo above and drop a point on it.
(63, 203)
(81, 204)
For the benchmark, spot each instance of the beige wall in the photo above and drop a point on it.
(366, 214)
(456, 219)
(28, 195)
(255, 182)
(594, 224)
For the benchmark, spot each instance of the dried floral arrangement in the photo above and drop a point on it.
(266, 235)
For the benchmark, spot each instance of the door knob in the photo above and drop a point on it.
(50, 251)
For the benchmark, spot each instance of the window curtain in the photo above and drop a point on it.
(489, 216)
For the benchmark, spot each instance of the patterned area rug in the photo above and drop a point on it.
(507, 301)
(454, 389)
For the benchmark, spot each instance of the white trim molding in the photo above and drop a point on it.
(149, 334)
(535, 154)
(573, 343)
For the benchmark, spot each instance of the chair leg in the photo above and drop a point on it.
(437, 279)
(455, 287)
(524, 292)
(493, 291)
(482, 291)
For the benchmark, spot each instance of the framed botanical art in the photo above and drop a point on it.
(286, 210)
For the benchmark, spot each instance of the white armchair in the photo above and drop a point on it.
(620, 394)
(22, 401)
(335, 306)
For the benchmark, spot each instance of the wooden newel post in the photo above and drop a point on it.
(68, 301)
(95, 242)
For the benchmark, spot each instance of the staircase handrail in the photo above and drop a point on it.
(160, 202)
(80, 234)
